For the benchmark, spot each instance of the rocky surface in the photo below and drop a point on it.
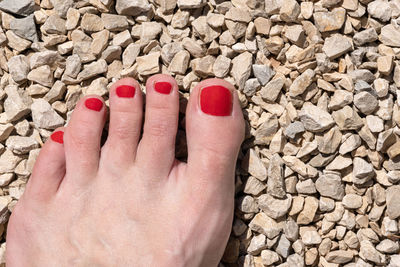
(317, 180)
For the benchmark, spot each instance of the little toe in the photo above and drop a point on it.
(157, 147)
(82, 138)
(126, 112)
(214, 129)
(49, 169)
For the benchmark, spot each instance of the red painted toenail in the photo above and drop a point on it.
(58, 137)
(163, 87)
(127, 91)
(94, 104)
(216, 100)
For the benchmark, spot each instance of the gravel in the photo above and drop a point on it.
(318, 175)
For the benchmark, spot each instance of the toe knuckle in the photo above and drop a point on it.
(158, 128)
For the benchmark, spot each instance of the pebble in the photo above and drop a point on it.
(241, 68)
(19, 68)
(44, 116)
(274, 207)
(132, 7)
(21, 144)
(42, 75)
(20, 7)
(393, 201)
(336, 45)
(315, 119)
(25, 28)
(301, 83)
(16, 105)
(330, 21)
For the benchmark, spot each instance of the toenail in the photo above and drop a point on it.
(58, 137)
(94, 104)
(216, 100)
(126, 91)
(163, 87)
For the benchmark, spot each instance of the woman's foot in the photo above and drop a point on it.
(130, 202)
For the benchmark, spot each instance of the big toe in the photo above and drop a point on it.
(215, 129)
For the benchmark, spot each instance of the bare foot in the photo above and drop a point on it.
(130, 202)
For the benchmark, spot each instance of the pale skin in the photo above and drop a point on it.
(130, 202)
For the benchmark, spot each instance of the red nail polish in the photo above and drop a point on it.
(94, 104)
(126, 91)
(58, 137)
(163, 87)
(216, 100)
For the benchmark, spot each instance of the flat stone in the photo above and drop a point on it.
(73, 66)
(315, 119)
(301, 83)
(93, 69)
(44, 116)
(307, 215)
(263, 224)
(148, 64)
(25, 28)
(330, 21)
(271, 90)
(388, 246)
(255, 166)
(339, 256)
(289, 11)
(114, 22)
(352, 201)
(311, 237)
(380, 9)
(366, 36)
(276, 184)
(350, 144)
(369, 253)
(16, 105)
(274, 207)
(300, 167)
(54, 25)
(16, 42)
(393, 201)
(330, 185)
(47, 57)
(18, 68)
(203, 67)
(190, 4)
(254, 186)
(263, 73)
(91, 23)
(365, 102)
(132, 7)
(62, 6)
(8, 161)
(221, 66)
(362, 171)
(21, 144)
(294, 129)
(347, 119)
(390, 35)
(241, 68)
(42, 75)
(269, 257)
(336, 45)
(20, 7)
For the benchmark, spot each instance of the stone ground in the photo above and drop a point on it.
(318, 174)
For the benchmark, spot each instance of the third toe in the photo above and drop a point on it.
(161, 123)
(126, 112)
